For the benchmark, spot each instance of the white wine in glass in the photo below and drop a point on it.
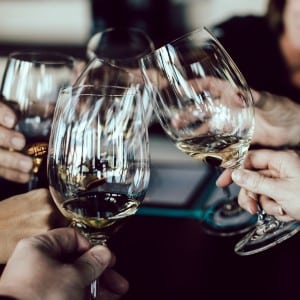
(205, 106)
(30, 86)
(98, 159)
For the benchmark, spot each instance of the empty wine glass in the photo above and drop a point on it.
(123, 47)
(30, 85)
(205, 106)
(99, 72)
(98, 159)
(120, 46)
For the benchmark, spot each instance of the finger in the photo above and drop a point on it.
(225, 178)
(275, 161)
(11, 139)
(114, 282)
(15, 160)
(93, 263)
(257, 183)
(62, 242)
(247, 201)
(15, 176)
(272, 208)
(7, 116)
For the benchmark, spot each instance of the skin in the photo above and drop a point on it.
(276, 120)
(289, 40)
(14, 165)
(270, 177)
(60, 265)
(26, 215)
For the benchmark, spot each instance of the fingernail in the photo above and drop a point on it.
(26, 164)
(251, 210)
(9, 121)
(278, 210)
(17, 142)
(252, 195)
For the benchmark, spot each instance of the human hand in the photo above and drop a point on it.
(26, 215)
(14, 165)
(270, 177)
(276, 120)
(58, 265)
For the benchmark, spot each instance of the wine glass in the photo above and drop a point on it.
(120, 46)
(123, 47)
(99, 72)
(30, 85)
(205, 106)
(98, 159)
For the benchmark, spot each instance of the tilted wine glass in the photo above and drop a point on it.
(30, 85)
(98, 160)
(205, 106)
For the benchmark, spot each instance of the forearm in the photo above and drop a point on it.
(277, 119)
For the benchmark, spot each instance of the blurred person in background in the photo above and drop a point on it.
(266, 48)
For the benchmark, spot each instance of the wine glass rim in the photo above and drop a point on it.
(99, 88)
(42, 57)
(91, 53)
(182, 37)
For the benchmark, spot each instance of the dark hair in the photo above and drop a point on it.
(274, 15)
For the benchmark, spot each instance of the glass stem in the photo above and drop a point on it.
(33, 183)
(95, 239)
(265, 223)
(231, 205)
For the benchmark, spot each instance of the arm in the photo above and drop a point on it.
(276, 120)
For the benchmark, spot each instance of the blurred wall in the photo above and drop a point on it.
(208, 12)
(70, 22)
(66, 22)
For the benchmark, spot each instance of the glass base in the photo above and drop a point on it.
(265, 235)
(228, 219)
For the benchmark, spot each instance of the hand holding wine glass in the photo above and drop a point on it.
(30, 86)
(269, 188)
(205, 106)
(98, 160)
(14, 166)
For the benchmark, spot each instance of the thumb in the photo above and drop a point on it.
(92, 264)
(256, 183)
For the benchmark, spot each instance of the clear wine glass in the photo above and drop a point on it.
(30, 85)
(123, 47)
(98, 159)
(120, 46)
(205, 106)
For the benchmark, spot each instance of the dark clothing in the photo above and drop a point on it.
(255, 50)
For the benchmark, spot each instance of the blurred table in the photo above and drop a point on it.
(172, 258)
